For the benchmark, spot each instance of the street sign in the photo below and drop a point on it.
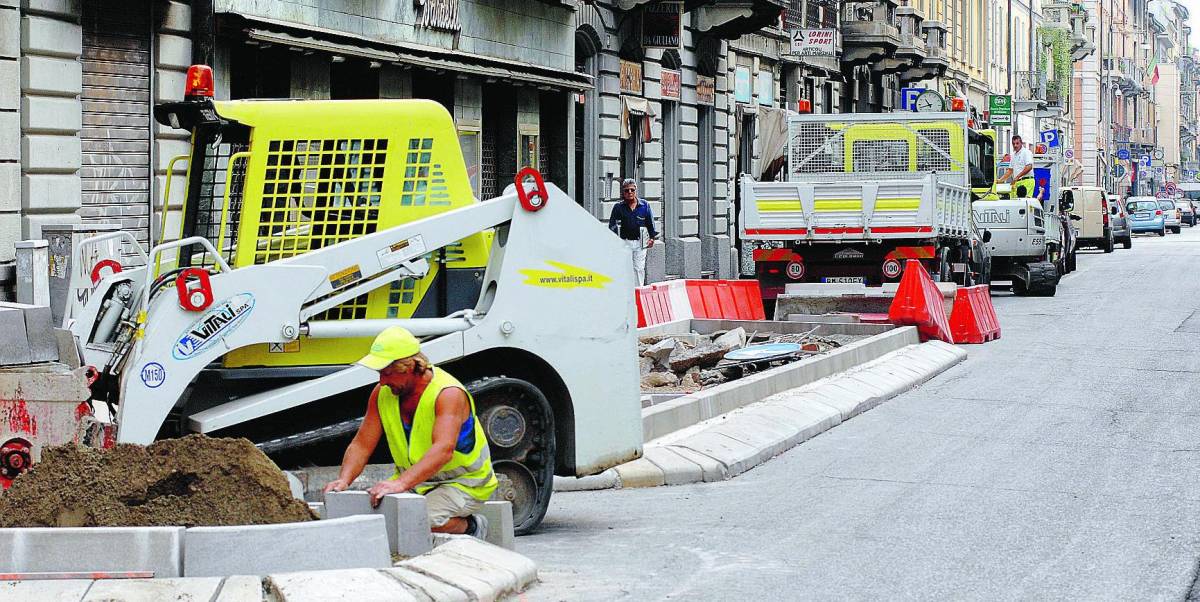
(1000, 109)
(1118, 171)
(1050, 138)
(1123, 154)
(1145, 160)
(1170, 187)
(1158, 153)
(908, 98)
(1070, 153)
(1162, 194)
(1158, 171)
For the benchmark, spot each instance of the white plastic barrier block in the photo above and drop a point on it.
(86, 549)
(342, 543)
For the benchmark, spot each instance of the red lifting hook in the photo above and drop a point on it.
(535, 200)
(194, 295)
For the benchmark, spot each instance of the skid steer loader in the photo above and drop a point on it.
(310, 226)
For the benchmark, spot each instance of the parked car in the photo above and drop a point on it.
(1089, 210)
(1145, 215)
(1171, 215)
(1186, 211)
(1119, 221)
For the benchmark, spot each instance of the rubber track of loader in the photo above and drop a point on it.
(325, 433)
(1043, 279)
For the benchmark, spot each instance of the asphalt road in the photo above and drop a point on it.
(1060, 462)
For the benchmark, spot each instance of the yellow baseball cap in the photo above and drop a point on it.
(392, 344)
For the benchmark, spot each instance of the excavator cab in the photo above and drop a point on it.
(271, 179)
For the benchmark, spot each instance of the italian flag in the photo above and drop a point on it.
(1152, 70)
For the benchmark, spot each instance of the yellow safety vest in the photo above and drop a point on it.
(470, 472)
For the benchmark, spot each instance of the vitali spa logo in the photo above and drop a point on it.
(213, 326)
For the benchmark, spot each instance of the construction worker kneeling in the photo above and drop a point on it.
(437, 442)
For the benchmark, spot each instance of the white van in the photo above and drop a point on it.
(1088, 206)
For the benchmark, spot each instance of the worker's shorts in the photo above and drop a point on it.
(445, 502)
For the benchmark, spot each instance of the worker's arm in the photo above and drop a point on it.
(650, 221)
(451, 412)
(361, 447)
(1024, 172)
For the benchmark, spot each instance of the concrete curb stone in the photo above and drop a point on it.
(481, 585)
(153, 590)
(640, 473)
(361, 585)
(500, 524)
(604, 480)
(240, 588)
(737, 456)
(39, 549)
(266, 549)
(712, 468)
(425, 588)
(66, 589)
(524, 570)
(676, 469)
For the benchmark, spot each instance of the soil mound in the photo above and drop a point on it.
(190, 482)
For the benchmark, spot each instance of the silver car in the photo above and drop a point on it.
(1119, 221)
(1171, 215)
(1187, 213)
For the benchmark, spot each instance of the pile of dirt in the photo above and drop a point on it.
(191, 481)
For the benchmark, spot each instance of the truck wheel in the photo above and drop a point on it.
(1043, 279)
(519, 426)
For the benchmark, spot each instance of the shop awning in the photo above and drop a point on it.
(295, 35)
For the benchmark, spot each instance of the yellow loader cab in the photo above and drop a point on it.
(983, 158)
(268, 179)
(870, 142)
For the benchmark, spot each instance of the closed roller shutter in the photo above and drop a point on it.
(115, 175)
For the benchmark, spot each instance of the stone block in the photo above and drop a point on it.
(50, 37)
(10, 33)
(84, 549)
(640, 473)
(51, 115)
(168, 88)
(10, 89)
(176, 18)
(51, 589)
(46, 153)
(174, 51)
(339, 543)
(10, 187)
(605, 480)
(361, 585)
(15, 347)
(51, 76)
(39, 331)
(31, 225)
(406, 517)
(676, 469)
(153, 590)
(45, 192)
(424, 587)
(10, 136)
(500, 523)
(65, 9)
(487, 556)
(241, 588)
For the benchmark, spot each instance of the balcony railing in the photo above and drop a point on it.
(1030, 86)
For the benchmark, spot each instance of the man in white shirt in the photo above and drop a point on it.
(1020, 167)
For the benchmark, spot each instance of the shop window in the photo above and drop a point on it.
(259, 72)
(350, 79)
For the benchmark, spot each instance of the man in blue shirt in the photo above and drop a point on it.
(627, 220)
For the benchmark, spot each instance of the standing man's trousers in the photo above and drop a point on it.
(639, 260)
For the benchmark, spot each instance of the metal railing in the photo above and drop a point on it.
(1030, 85)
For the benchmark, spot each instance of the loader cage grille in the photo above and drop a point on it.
(206, 219)
(897, 148)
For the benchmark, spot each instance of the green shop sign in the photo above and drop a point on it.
(1000, 109)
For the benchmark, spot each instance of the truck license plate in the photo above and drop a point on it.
(844, 279)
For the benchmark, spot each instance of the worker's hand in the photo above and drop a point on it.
(337, 485)
(383, 488)
(649, 243)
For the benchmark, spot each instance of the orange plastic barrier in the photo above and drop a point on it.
(725, 299)
(918, 303)
(704, 299)
(973, 319)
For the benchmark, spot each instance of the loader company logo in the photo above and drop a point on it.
(567, 276)
(992, 216)
(153, 375)
(213, 326)
(848, 254)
